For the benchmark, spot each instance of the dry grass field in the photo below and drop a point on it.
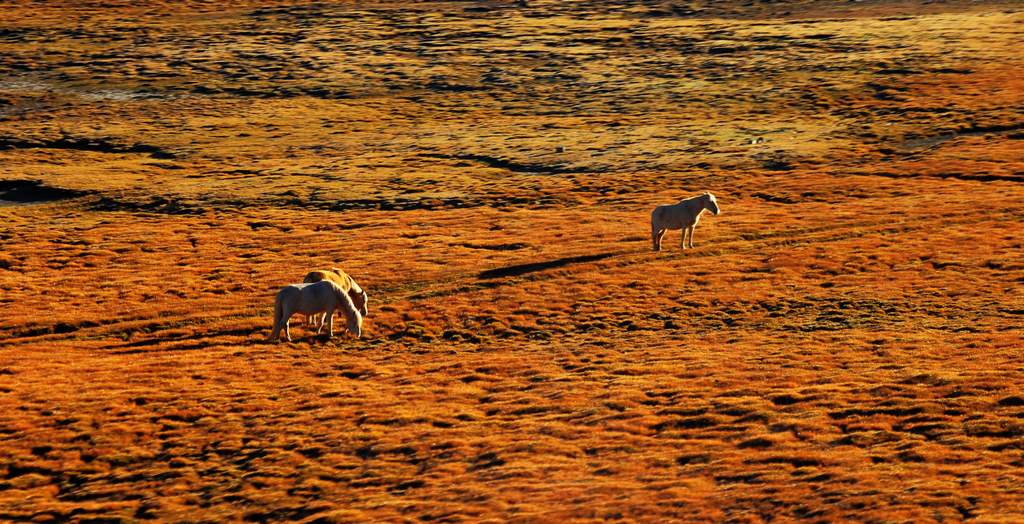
(846, 341)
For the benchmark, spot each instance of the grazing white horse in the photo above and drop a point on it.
(345, 282)
(308, 299)
(683, 215)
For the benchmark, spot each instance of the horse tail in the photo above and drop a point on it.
(276, 330)
(657, 217)
(313, 277)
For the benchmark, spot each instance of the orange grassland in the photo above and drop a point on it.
(844, 343)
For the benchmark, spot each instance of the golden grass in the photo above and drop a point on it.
(843, 344)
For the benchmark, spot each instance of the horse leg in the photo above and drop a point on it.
(682, 238)
(321, 326)
(692, 228)
(287, 329)
(330, 323)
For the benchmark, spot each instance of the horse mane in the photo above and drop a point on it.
(347, 307)
(341, 273)
(355, 287)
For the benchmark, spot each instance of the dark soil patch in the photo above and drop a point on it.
(31, 191)
(101, 145)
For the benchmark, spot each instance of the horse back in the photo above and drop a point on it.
(661, 211)
(307, 298)
(335, 275)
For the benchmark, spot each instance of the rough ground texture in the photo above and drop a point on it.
(845, 342)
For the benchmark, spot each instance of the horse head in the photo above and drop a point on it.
(355, 320)
(361, 301)
(710, 203)
(355, 324)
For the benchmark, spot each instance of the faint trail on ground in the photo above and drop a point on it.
(508, 276)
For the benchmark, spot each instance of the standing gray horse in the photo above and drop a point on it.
(683, 215)
(319, 297)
